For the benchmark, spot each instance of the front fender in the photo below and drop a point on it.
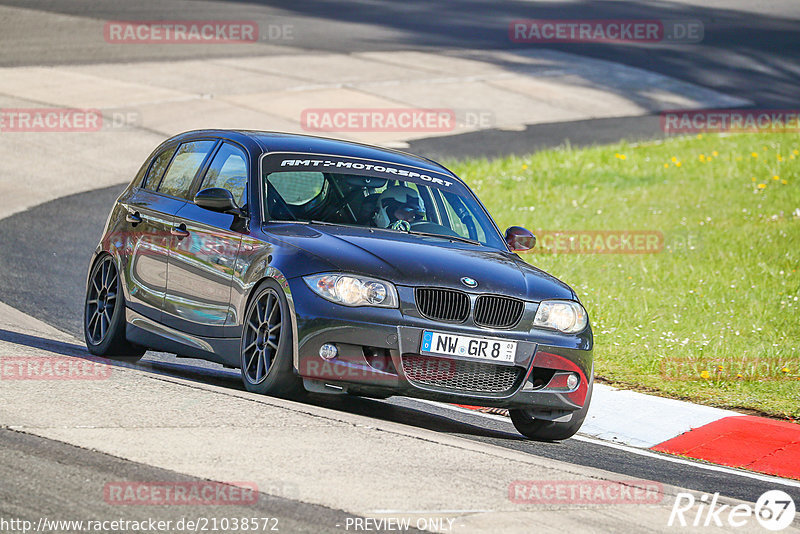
(258, 261)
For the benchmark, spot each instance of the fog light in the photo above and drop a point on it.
(328, 351)
(572, 381)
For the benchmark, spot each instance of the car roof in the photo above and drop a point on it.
(260, 141)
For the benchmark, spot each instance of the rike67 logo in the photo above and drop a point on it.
(774, 511)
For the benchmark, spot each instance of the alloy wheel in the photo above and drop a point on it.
(102, 300)
(262, 336)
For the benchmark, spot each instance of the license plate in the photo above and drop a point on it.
(471, 347)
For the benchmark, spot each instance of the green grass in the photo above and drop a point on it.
(713, 317)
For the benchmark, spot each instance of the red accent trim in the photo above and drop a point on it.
(554, 361)
(754, 443)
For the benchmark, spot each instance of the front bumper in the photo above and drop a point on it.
(379, 354)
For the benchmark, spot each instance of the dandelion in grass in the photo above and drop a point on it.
(784, 182)
(715, 153)
(776, 177)
(705, 375)
(785, 370)
(754, 154)
(762, 186)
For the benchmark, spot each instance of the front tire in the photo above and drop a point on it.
(104, 314)
(266, 350)
(543, 430)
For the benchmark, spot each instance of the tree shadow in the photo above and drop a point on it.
(743, 53)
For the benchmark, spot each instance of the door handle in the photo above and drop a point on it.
(133, 218)
(179, 231)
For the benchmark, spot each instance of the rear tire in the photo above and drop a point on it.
(267, 346)
(543, 430)
(104, 314)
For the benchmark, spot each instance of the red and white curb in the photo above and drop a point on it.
(721, 437)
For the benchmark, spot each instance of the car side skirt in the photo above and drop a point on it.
(156, 336)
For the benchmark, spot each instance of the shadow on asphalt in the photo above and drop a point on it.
(231, 379)
(43, 343)
(455, 423)
(407, 416)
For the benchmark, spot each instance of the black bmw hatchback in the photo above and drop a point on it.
(323, 266)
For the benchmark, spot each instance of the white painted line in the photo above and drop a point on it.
(701, 465)
(626, 417)
(633, 450)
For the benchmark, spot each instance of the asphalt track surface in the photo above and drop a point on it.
(42, 273)
(749, 49)
(26, 461)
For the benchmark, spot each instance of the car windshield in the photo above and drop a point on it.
(370, 200)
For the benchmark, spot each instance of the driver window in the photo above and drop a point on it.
(228, 170)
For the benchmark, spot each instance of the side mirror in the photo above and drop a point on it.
(217, 199)
(519, 239)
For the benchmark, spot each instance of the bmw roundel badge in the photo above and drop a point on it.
(469, 282)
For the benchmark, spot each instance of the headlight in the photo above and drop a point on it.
(351, 290)
(563, 315)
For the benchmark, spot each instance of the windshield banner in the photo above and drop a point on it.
(356, 166)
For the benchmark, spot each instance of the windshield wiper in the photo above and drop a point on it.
(444, 236)
(426, 234)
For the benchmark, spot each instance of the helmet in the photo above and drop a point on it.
(399, 202)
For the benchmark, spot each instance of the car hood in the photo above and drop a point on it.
(413, 260)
